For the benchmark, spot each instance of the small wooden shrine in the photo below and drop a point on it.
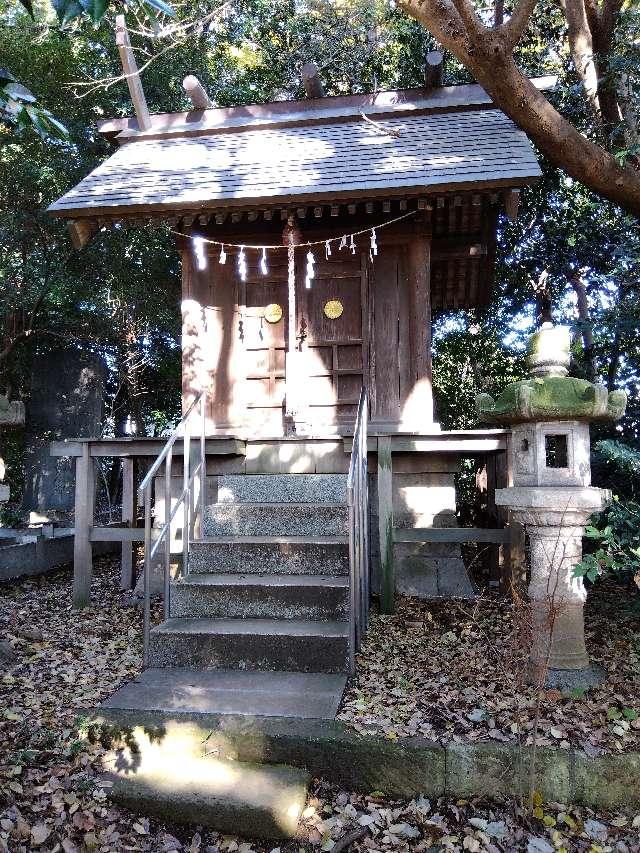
(390, 201)
(317, 237)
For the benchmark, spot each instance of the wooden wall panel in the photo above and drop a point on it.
(212, 354)
(385, 371)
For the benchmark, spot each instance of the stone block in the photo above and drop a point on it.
(259, 644)
(607, 781)
(283, 488)
(239, 519)
(262, 597)
(503, 770)
(313, 556)
(231, 797)
(297, 457)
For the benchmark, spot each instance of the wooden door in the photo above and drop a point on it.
(264, 334)
(333, 330)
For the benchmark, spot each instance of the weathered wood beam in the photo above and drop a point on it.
(452, 534)
(196, 93)
(83, 522)
(419, 406)
(385, 525)
(511, 204)
(81, 231)
(127, 574)
(130, 68)
(433, 67)
(311, 80)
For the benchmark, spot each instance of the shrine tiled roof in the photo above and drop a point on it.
(415, 143)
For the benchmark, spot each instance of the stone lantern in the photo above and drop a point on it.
(552, 496)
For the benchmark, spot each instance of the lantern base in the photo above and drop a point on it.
(571, 679)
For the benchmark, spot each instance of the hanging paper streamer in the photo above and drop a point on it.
(223, 255)
(352, 246)
(311, 273)
(242, 264)
(343, 242)
(263, 263)
(198, 250)
(327, 249)
(374, 242)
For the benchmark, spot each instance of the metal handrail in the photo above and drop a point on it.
(184, 500)
(358, 503)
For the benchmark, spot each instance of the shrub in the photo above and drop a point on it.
(614, 544)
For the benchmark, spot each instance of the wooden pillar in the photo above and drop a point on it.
(82, 554)
(418, 409)
(127, 574)
(385, 524)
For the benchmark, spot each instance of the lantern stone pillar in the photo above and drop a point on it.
(553, 498)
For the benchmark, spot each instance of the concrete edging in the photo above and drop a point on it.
(403, 767)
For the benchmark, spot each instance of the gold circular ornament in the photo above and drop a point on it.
(273, 313)
(333, 309)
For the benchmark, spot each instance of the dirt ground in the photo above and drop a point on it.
(58, 663)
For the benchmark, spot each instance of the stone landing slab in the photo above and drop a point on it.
(267, 694)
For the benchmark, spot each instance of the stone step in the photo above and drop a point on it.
(282, 488)
(287, 555)
(261, 596)
(298, 695)
(250, 644)
(275, 519)
(254, 800)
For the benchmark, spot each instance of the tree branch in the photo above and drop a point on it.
(496, 71)
(469, 17)
(515, 27)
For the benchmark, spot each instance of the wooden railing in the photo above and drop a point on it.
(358, 502)
(185, 501)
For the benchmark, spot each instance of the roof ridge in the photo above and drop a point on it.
(334, 109)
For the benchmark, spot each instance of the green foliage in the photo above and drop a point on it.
(469, 356)
(614, 537)
(68, 10)
(19, 109)
(616, 466)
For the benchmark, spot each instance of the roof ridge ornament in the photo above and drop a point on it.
(131, 74)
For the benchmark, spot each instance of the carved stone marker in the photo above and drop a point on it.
(553, 497)
(11, 415)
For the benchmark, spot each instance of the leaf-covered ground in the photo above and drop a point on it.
(455, 671)
(52, 798)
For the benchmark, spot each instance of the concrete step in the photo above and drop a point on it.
(287, 555)
(298, 695)
(261, 596)
(282, 488)
(250, 644)
(254, 800)
(275, 519)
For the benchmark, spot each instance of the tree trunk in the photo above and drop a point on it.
(586, 332)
